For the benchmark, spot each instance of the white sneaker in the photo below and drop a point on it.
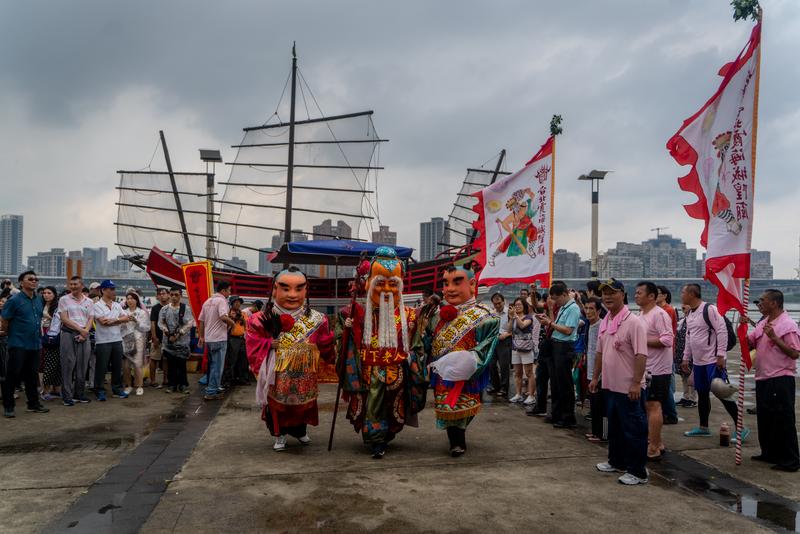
(605, 467)
(139, 391)
(128, 390)
(305, 440)
(516, 398)
(529, 400)
(631, 480)
(280, 443)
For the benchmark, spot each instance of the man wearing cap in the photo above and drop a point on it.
(236, 368)
(777, 344)
(108, 316)
(22, 319)
(621, 357)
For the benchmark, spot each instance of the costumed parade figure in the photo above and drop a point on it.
(284, 344)
(461, 340)
(383, 376)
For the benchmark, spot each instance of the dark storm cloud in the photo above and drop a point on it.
(451, 84)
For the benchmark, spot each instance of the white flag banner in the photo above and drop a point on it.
(515, 223)
(718, 142)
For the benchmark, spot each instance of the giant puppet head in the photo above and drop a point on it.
(460, 285)
(290, 289)
(385, 295)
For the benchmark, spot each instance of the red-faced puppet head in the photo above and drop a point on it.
(460, 285)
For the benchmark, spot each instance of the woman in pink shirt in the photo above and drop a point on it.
(777, 344)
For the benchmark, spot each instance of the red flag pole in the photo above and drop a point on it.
(746, 289)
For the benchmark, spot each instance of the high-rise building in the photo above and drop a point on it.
(761, 264)
(568, 265)
(327, 230)
(95, 261)
(237, 262)
(118, 266)
(384, 236)
(51, 263)
(264, 265)
(431, 236)
(661, 257)
(11, 244)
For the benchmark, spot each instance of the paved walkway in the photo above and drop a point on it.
(162, 463)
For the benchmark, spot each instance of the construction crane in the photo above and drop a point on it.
(658, 229)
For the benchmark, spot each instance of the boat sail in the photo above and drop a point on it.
(458, 233)
(313, 178)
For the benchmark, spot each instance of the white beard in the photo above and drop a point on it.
(387, 332)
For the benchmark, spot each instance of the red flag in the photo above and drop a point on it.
(719, 142)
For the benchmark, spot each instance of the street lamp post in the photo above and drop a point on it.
(211, 158)
(594, 176)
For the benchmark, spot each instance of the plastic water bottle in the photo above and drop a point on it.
(724, 435)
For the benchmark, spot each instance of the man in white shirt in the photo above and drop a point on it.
(500, 369)
(76, 313)
(108, 316)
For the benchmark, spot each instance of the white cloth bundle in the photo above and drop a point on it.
(455, 366)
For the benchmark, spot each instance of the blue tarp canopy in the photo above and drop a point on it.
(331, 252)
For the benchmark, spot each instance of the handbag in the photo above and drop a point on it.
(522, 340)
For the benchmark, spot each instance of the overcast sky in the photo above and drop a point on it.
(86, 85)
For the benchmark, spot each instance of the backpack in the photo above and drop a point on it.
(728, 327)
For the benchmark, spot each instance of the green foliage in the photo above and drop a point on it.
(744, 9)
(555, 125)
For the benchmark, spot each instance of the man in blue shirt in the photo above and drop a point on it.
(22, 319)
(562, 354)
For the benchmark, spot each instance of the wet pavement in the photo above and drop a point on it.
(163, 463)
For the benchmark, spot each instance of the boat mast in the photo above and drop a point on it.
(287, 232)
(494, 178)
(177, 196)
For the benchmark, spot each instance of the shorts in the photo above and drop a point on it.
(522, 357)
(704, 374)
(155, 353)
(659, 388)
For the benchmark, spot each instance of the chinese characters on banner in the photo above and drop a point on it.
(718, 143)
(515, 216)
(197, 276)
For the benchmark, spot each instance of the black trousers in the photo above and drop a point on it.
(21, 365)
(501, 367)
(598, 411)
(457, 437)
(236, 368)
(103, 353)
(563, 358)
(176, 370)
(777, 431)
(704, 408)
(543, 374)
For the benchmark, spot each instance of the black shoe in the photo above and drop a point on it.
(9, 413)
(455, 452)
(502, 393)
(752, 411)
(762, 458)
(670, 420)
(780, 467)
(37, 409)
(564, 424)
(683, 403)
(378, 451)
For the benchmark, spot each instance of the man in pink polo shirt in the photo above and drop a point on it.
(659, 362)
(212, 330)
(706, 347)
(621, 358)
(777, 344)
